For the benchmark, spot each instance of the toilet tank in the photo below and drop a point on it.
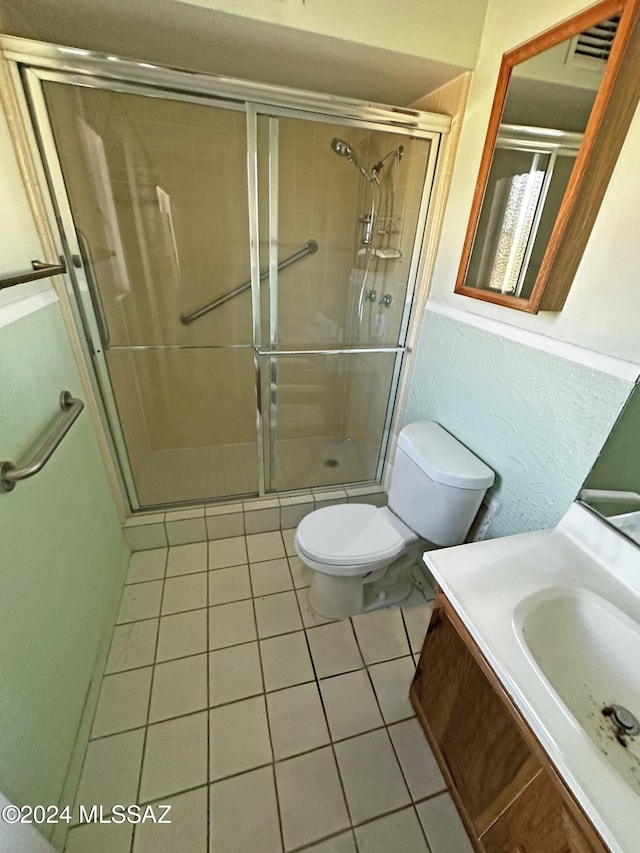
(437, 484)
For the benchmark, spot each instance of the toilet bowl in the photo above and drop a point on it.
(354, 544)
(361, 555)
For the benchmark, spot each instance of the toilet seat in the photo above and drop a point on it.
(349, 539)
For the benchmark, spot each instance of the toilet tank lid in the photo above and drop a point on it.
(443, 458)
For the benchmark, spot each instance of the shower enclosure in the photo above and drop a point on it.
(244, 261)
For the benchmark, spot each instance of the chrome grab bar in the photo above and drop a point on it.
(40, 269)
(309, 248)
(10, 475)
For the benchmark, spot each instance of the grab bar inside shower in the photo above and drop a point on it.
(10, 475)
(310, 247)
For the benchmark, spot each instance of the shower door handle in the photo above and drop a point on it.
(92, 284)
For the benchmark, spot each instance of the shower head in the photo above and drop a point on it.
(398, 153)
(345, 150)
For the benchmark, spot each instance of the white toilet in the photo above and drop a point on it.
(361, 554)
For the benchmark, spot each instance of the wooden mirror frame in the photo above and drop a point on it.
(612, 112)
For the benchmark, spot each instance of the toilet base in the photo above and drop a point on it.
(340, 597)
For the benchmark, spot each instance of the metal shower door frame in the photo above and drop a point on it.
(33, 63)
(270, 349)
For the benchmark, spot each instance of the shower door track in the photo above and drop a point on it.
(32, 63)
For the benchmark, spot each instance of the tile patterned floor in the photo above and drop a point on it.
(266, 728)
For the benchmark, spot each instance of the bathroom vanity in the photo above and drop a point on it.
(508, 794)
(532, 637)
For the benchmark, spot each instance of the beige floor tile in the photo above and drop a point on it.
(418, 764)
(147, 565)
(140, 601)
(277, 614)
(231, 624)
(234, 673)
(186, 592)
(179, 687)
(288, 537)
(186, 832)
(364, 761)
(381, 635)
(239, 738)
(443, 827)
(100, 838)
(187, 559)
(265, 546)
(334, 649)
(296, 720)
(391, 681)
(231, 584)
(301, 574)
(286, 661)
(270, 576)
(132, 645)
(417, 621)
(123, 703)
(227, 552)
(245, 814)
(175, 757)
(350, 704)
(399, 831)
(343, 843)
(182, 634)
(311, 800)
(111, 771)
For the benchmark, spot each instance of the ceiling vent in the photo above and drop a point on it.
(591, 48)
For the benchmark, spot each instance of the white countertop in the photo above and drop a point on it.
(486, 581)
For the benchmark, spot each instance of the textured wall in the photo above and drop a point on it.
(538, 420)
(62, 568)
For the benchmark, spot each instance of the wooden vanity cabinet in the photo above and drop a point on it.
(509, 796)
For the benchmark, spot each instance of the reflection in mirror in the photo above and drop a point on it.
(529, 175)
(552, 101)
(612, 487)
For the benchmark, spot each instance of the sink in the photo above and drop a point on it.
(588, 651)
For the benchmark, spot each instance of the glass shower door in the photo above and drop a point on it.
(158, 196)
(332, 326)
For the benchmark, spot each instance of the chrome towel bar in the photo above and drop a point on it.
(10, 475)
(309, 248)
(40, 270)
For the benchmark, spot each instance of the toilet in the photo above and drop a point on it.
(361, 554)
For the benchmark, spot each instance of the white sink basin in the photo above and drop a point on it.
(557, 616)
(588, 651)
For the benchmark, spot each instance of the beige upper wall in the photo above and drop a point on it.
(604, 303)
(372, 52)
(447, 32)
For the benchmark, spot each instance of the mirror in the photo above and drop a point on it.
(560, 113)
(612, 487)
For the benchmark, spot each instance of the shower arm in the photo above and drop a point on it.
(310, 247)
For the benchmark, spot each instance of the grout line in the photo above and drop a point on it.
(331, 743)
(316, 680)
(266, 711)
(146, 728)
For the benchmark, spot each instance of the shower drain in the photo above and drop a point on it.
(331, 463)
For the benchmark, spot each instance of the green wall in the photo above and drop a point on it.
(537, 419)
(62, 566)
(618, 466)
